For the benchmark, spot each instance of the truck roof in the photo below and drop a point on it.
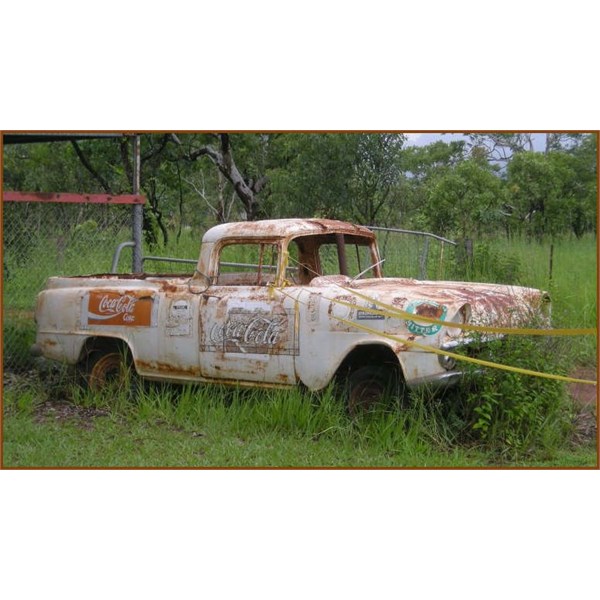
(282, 228)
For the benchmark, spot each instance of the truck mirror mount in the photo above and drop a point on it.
(198, 283)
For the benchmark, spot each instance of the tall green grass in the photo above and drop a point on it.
(572, 284)
(159, 425)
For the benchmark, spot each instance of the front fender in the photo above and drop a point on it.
(319, 361)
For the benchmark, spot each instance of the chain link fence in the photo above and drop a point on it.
(415, 254)
(46, 238)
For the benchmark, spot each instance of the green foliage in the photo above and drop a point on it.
(161, 426)
(453, 188)
(550, 194)
(347, 176)
(464, 201)
(18, 334)
(516, 414)
(422, 162)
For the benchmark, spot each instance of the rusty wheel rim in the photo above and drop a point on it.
(107, 369)
(364, 396)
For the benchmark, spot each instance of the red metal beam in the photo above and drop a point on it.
(73, 198)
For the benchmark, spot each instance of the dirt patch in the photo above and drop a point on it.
(63, 411)
(585, 399)
(584, 395)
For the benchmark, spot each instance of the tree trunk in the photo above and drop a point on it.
(246, 191)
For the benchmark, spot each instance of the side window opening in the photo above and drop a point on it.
(331, 254)
(248, 264)
(357, 258)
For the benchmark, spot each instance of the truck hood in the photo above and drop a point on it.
(481, 303)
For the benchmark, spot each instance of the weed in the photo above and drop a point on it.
(513, 414)
(20, 330)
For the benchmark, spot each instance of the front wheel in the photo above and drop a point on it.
(370, 387)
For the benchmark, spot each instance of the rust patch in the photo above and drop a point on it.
(429, 310)
(169, 287)
(286, 228)
(397, 348)
(167, 369)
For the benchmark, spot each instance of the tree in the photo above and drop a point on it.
(500, 147)
(585, 185)
(420, 162)
(246, 187)
(376, 175)
(536, 184)
(464, 201)
(419, 165)
(555, 192)
(348, 176)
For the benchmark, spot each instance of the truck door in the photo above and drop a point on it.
(248, 332)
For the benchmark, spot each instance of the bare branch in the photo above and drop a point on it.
(223, 159)
(202, 194)
(157, 149)
(86, 163)
(126, 158)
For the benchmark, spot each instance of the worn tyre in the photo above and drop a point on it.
(370, 387)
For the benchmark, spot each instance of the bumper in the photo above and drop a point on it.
(441, 380)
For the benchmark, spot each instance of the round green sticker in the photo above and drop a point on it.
(425, 308)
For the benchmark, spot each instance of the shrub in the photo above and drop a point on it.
(511, 413)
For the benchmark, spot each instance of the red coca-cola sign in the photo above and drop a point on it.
(114, 308)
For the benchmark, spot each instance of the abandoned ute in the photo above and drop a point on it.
(273, 304)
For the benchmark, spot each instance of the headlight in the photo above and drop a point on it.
(462, 316)
(447, 362)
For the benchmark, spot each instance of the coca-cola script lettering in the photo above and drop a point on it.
(111, 308)
(252, 332)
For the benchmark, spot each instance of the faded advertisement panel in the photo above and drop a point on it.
(114, 308)
(253, 332)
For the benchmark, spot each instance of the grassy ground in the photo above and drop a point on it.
(209, 426)
(110, 443)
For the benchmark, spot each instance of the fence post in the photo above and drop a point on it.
(423, 261)
(138, 209)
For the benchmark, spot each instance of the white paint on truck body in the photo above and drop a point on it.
(274, 324)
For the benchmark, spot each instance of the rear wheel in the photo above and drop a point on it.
(371, 387)
(102, 369)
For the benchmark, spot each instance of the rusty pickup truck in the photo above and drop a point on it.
(273, 303)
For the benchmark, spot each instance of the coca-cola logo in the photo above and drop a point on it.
(110, 308)
(255, 332)
(252, 332)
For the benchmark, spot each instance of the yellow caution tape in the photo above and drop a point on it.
(459, 357)
(475, 361)
(393, 312)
